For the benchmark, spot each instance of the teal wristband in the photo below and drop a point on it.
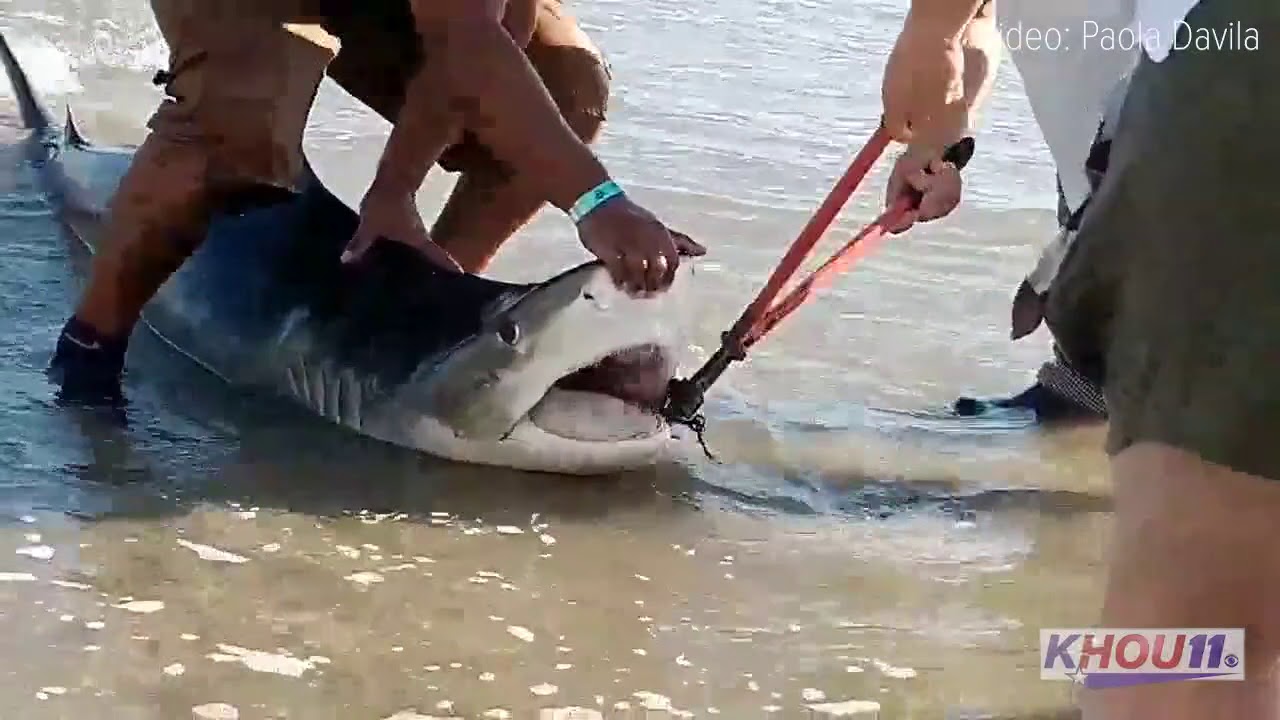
(594, 198)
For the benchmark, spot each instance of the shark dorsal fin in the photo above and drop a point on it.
(71, 133)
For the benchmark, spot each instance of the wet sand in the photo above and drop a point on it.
(667, 607)
(287, 587)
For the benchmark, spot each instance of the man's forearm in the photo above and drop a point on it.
(481, 80)
(980, 43)
(425, 127)
(945, 18)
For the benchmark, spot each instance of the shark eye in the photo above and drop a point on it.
(509, 332)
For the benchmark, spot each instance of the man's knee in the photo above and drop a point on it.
(571, 68)
(1195, 544)
(1181, 516)
(579, 83)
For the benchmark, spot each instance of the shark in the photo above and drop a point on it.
(566, 375)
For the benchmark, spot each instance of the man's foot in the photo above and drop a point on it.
(1059, 393)
(1045, 403)
(87, 366)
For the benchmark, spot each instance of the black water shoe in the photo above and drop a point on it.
(87, 366)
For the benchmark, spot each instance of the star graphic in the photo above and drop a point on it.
(1078, 675)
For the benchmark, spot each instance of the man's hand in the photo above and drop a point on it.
(939, 189)
(640, 252)
(394, 216)
(939, 74)
(923, 88)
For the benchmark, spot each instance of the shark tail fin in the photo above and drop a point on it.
(34, 115)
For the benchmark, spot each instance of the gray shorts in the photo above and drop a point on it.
(1171, 291)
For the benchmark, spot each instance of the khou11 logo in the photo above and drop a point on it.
(1118, 657)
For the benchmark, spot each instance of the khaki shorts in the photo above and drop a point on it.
(1171, 290)
(243, 75)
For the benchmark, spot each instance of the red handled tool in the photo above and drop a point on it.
(685, 397)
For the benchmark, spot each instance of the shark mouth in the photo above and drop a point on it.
(637, 376)
(617, 398)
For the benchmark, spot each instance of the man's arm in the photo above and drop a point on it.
(923, 86)
(479, 78)
(983, 51)
(945, 19)
(976, 54)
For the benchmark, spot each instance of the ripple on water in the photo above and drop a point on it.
(572, 712)
(213, 554)
(867, 709)
(216, 711)
(141, 606)
(264, 662)
(36, 552)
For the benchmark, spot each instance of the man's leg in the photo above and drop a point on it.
(1060, 391)
(488, 204)
(1171, 282)
(486, 208)
(1195, 545)
(240, 88)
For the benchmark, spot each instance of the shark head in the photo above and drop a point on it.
(568, 376)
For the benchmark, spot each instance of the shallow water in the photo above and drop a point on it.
(847, 546)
